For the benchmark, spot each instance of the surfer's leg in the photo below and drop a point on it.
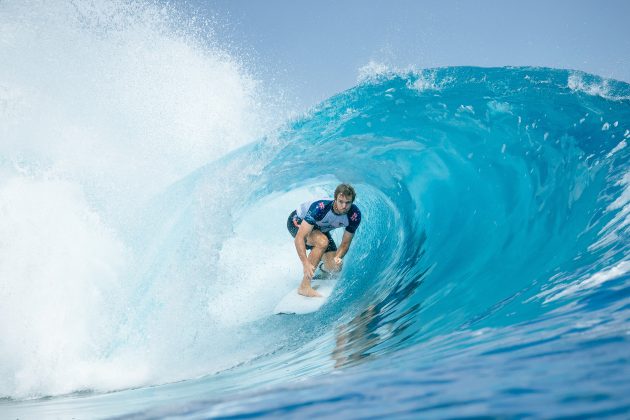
(319, 242)
(329, 256)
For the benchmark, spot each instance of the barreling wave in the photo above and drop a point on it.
(491, 197)
(492, 200)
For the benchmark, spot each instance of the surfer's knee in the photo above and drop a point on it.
(320, 241)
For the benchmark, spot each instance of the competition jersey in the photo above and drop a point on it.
(321, 215)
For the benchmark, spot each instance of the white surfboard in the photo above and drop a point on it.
(294, 303)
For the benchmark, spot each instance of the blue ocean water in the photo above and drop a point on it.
(490, 275)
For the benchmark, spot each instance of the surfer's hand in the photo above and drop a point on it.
(338, 262)
(309, 270)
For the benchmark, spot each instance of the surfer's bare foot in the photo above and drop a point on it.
(308, 292)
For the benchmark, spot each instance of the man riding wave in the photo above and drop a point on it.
(310, 224)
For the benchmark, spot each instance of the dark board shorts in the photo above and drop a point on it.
(293, 224)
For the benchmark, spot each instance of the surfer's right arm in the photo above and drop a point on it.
(300, 245)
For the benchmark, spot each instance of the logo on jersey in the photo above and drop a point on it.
(321, 205)
(354, 217)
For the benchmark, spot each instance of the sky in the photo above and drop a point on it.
(314, 49)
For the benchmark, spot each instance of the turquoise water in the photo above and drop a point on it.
(490, 275)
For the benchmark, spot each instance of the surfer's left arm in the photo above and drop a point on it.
(345, 245)
(354, 219)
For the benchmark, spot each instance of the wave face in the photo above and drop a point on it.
(489, 275)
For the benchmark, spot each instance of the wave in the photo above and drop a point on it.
(146, 240)
(490, 199)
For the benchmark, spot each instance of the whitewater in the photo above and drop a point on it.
(145, 180)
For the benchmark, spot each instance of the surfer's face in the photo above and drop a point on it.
(342, 204)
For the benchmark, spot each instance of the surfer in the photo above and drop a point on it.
(310, 224)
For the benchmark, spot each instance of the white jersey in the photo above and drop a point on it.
(320, 214)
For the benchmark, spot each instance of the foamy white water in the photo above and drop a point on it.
(102, 105)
